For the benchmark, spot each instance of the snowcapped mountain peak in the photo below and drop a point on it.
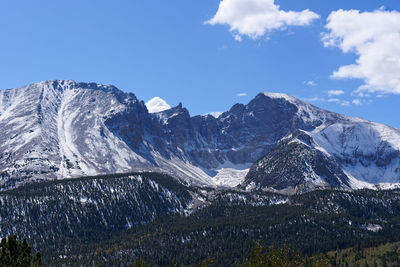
(157, 104)
(214, 114)
(62, 128)
(288, 99)
(279, 95)
(64, 85)
(92, 88)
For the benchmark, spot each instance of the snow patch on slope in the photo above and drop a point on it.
(231, 175)
(181, 168)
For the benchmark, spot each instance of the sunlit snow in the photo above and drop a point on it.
(157, 104)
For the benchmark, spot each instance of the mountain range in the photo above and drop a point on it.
(64, 129)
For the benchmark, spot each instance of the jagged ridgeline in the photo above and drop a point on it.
(65, 129)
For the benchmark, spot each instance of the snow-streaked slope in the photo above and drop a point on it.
(345, 154)
(157, 104)
(28, 143)
(368, 151)
(64, 129)
(61, 129)
(56, 129)
(85, 142)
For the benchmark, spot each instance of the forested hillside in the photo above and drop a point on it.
(226, 230)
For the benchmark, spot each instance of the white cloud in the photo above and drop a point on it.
(311, 83)
(157, 104)
(356, 102)
(241, 95)
(254, 18)
(215, 114)
(335, 92)
(374, 37)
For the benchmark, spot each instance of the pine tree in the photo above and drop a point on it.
(15, 253)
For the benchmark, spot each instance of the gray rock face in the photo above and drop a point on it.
(63, 129)
(241, 135)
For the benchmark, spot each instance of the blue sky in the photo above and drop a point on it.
(165, 48)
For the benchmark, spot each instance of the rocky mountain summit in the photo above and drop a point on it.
(65, 129)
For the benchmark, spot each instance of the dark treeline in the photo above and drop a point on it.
(117, 220)
(16, 253)
(312, 224)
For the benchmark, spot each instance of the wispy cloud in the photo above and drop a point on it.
(341, 102)
(314, 99)
(335, 92)
(334, 100)
(241, 95)
(345, 103)
(311, 83)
